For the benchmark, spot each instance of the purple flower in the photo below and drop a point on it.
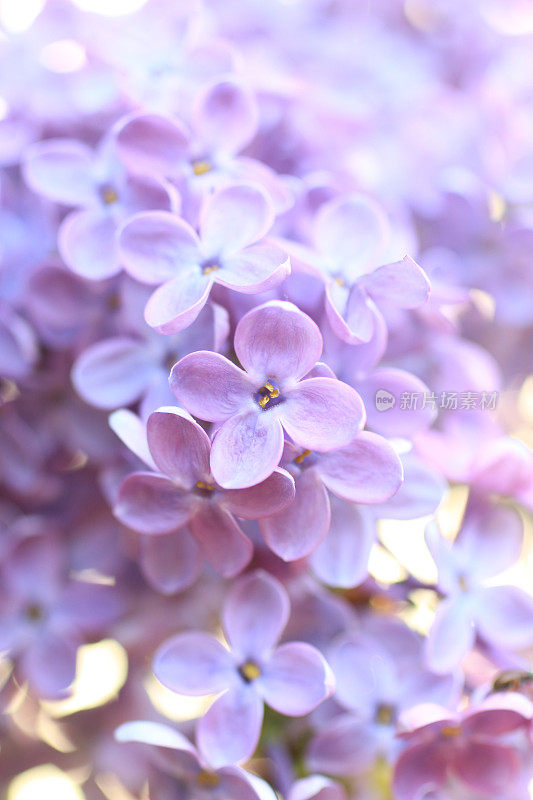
(183, 491)
(490, 541)
(277, 345)
(176, 757)
(161, 248)
(68, 172)
(365, 471)
(468, 748)
(316, 787)
(45, 616)
(292, 678)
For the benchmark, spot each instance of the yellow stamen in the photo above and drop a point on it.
(340, 281)
(384, 714)
(271, 390)
(109, 195)
(450, 730)
(201, 167)
(211, 268)
(250, 671)
(299, 459)
(202, 485)
(207, 779)
(264, 400)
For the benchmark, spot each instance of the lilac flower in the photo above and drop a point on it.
(160, 248)
(44, 616)
(292, 678)
(490, 541)
(316, 787)
(182, 490)
(277, 345)
(469, 748)
(176, 757)
(66, 171)
(365, 471)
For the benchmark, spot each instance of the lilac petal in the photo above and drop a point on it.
(194, 663)
(246, 449)
(62, 170)
(403, 284)
(152, 504)
(365, 471)
(316, 787)
(296, 679)
(113, 373)
(90, 607)
(225, 117)
(223, 542)
(342, 558)
(263, 499)
(153, 144)
(233, 218)
(157, 734)
(491, 538)
(132, 432)
(210, 386)
(419, 495)
(299, 529)
(393, 420)
(451, 635)
(255, 613)
(487, 767)
(155, 246)
(498, 714)
(18, 345)
(364, 673)
(277, 340)
(351, 232)
(504, 615)
(177, 303)
(87, 241)
(179, 446)
(256, 269)
(342, 747)
(36, 564)
(419, 769)
(351, 313)
(49, 665)
(240, 785)
(322, 414)
(170, 562)
(229, 731)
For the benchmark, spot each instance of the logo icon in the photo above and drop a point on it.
(384, 400)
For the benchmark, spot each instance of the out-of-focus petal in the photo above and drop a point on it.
(504, 615)
(487, 767)
(233, 218)
(87, 241)
(153, 144)
(62, 170)
(229, 731)
(194, 663)
(177, 303)
(224, 544)
(170, 562)
(342, 558)
(256, 269)
(389, 418)
(296, 679)
(403, 284)
(418, 770)
(225, 116)
(451, 635)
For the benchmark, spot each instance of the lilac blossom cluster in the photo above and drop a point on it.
(237, 239)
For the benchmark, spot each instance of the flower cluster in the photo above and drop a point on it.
(266, 310)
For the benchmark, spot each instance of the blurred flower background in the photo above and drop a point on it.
(424, 108)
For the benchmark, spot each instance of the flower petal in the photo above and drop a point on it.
(351, 313)
(87, 241)
(322, 414)
(342, 558)
(365, 471)
(451, 635)
(194, 663)
(229, 731)
(393, 419)
(504, 615)
(344, 746)
(223, 542)
(210, 386)
(419, 769)
(62, 170)
(170, 562)
(487, 767)
(153, 144)
(131, 430)
(225, 117)
(177, 303)
(490, 539)
(316, 787)
(113, 373)
(277, 340)
(155, 246)
(299, 528)
(49, 665)
(256, 269)
(179, 446)
(255, 613)
(403, 284)
(296, 679)
(151, 503)
(246, 449)
(233, 218)
(263, 499)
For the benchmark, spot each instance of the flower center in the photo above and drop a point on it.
(304, 454)
(108, 194)
(249, 671)
(268, 395)
(204, 489)
(385, 714)
(450, 731)
(201, 166)
(209, 266)
(207, 779)
(34, 612)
